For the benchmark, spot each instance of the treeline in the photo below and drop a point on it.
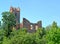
(9, 35)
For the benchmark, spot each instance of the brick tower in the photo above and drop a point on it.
(16, 12)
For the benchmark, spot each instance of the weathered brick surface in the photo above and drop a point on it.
(31, 27)
(26, 23)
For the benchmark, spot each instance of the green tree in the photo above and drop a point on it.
(2, 34)
(8, 21)
(48, 27)
(54, 25)
(53, 35)
(0, 23)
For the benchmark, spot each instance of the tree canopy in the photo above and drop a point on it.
(8, 21)
(46, 35)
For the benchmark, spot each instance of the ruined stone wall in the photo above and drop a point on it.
(31, 27)
(26, 23)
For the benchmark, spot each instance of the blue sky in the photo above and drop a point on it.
(34, 10)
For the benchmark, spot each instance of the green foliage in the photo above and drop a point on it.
(2, 34)
(0, 23)
(48, 35)
(21, 36)
(54, 25)
(53, 35)
(8, 21)
(41, 36)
